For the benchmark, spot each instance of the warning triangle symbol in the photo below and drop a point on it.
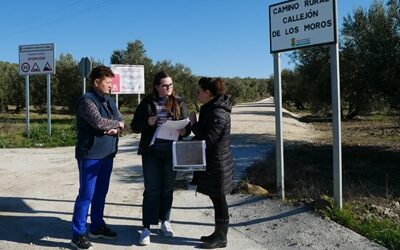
(47, 67)
(35, 68)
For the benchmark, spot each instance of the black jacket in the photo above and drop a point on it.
(214, 126)
(139, 122)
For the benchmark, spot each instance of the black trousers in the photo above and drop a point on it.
(159, 179)
(220, 209)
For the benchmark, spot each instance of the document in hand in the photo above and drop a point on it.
(169, 130)
(189, 155)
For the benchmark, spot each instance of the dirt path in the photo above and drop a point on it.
(38, 188)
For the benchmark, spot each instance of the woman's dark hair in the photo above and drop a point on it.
(216, 86)
(99, 72)
(172, 105)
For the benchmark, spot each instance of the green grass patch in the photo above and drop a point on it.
(12, 130)
(382, 231)
(61, 135)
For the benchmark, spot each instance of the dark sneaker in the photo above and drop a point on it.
(81, 243)
(103, 232)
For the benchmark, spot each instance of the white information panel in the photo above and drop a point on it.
(189, 155)
(301, 23)
(129, 79)
(36, 59)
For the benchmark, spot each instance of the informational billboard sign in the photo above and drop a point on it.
(37, 59)
(129, 79)
(301, 23)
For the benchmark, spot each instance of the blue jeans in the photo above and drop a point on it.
(159, 179)
(94, 179)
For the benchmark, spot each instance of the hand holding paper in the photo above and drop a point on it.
(169, 130)
(178, 124)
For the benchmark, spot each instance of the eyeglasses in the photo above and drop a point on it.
(167, 86)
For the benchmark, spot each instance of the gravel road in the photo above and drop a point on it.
(38, 188)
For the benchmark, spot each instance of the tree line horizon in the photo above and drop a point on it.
(67, 82)
(369, 42)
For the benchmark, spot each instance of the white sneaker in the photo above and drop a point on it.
(167, 229)
(145, 237)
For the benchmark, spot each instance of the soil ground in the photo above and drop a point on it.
(38, 188)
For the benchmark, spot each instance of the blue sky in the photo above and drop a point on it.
(212, 37)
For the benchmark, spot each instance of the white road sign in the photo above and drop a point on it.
(37, 59)
(301, 23)
(129, 79)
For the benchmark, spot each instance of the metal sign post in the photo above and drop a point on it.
(336, 123)
(116, 100)
(37, 59)
(27, 124)
(280, 173)
(84, 85)
(48, 105)
(298, 24)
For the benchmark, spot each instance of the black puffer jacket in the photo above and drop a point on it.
(139, 123)
(214, 126)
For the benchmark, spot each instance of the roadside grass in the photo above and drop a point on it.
(381, 230)
(12, 128)
(12, 131)
(371, 175)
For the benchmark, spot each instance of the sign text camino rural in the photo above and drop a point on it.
(297, 24)
(301, 23)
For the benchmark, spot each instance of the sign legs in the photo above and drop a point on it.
(27, 126)
(336, 124)
(48, 105)
(280, 173)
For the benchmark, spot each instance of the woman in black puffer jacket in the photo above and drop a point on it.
(214, 126)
